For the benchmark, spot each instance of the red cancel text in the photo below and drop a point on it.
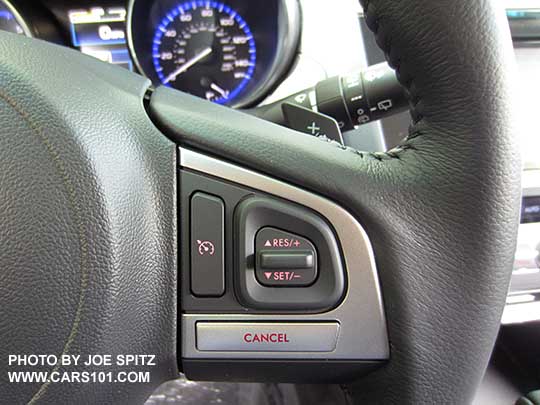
(266, 338)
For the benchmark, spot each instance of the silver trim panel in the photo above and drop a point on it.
(363, 334)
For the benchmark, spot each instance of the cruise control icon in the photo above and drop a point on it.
(206, 248)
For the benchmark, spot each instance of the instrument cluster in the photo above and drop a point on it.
(232, 52)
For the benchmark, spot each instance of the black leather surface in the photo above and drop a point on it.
(87, 219)
(441, 210)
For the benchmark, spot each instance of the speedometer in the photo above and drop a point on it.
(206, 49)
(231, 52)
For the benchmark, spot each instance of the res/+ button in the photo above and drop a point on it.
(284, 259)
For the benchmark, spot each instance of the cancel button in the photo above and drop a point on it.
(267, 337)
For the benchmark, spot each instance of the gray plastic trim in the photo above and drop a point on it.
(523, 301)
(363, 334)
(530, 182)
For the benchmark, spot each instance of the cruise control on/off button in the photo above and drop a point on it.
(207, 245)
(284, 259)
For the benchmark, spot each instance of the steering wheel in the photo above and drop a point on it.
(90, 217)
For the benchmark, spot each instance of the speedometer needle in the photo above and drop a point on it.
(224, 93)
(188, 64)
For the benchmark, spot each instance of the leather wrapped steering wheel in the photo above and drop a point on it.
(89, 187)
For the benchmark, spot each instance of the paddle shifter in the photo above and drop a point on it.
(339, 103)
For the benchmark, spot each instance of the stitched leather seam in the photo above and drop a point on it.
(83, 243)
(394, 153)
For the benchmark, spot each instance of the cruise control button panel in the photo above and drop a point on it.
(275, 283)
(284, 259)
(267, 337)
(287, 257)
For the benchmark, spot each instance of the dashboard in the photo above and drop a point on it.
(232, 53)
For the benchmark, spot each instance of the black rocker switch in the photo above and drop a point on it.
(207, 245)
(284, 259)
(287, 257)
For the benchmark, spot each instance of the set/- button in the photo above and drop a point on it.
(284, 259)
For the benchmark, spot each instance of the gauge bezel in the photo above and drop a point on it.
(289, 31)
(19, 18)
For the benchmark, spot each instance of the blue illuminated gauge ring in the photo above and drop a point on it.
(222, 8)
